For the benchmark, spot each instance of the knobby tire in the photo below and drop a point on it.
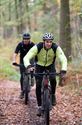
(26, 89)
(26, 95)
(47, 107)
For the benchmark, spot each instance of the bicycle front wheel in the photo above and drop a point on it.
(26, 89)
(47, 106)
(26, 94)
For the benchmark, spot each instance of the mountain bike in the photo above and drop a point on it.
(27, 82)
(46, 95)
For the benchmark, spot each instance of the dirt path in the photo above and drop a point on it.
(13, 111)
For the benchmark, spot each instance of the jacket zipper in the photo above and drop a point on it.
(46, 57)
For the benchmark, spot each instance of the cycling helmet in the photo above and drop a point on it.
(26, 36)
(48, 36)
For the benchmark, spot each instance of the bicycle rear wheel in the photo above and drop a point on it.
(46, 106)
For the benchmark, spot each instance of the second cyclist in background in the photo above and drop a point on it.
(22, 48)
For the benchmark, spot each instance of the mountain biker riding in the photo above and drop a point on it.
(22, 48)
(46, 53)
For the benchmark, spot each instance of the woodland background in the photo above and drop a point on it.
(63, 18)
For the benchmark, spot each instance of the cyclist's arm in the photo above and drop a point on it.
(62, 58)
(15, 55)
(31, 53)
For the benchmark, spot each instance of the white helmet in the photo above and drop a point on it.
(48, 36)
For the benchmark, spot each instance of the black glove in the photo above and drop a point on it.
(62, 73)
(14, 63)
(62, 77)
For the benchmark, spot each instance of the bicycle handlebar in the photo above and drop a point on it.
(16, 64)
(42, 74)
(22, 65)
(36, 74)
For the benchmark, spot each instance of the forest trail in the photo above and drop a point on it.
(13, 111)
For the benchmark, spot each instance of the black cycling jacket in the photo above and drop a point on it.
(23, 49)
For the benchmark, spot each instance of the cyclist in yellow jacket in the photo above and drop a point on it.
(46, 53)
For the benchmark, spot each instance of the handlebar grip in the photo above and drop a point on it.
(15, 64)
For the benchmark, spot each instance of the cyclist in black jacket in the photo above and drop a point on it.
(22, 48)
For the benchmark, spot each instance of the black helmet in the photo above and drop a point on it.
(26, 36)
(48, 36)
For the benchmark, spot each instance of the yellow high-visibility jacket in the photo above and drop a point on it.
(46, 57)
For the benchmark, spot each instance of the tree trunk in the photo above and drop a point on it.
(65, 31)
(21, 26)
(17, 16)
(28, 16)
